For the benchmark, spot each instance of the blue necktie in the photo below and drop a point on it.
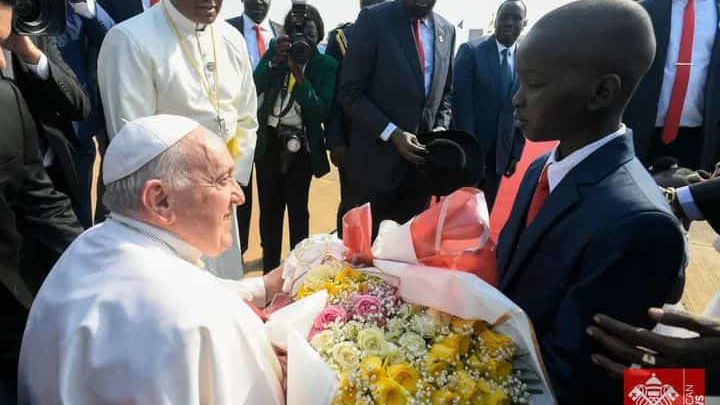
(505, 75)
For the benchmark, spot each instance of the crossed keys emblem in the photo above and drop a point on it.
(653, 392)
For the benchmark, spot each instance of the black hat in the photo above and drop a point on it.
(454, 160)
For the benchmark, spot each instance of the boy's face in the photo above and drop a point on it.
(552, 97)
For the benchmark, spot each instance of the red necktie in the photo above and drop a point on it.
(260, 41)
(682, 75)
(420, 48)
(154, 2)
(542, 190)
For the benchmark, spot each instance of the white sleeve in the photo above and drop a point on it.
(125, 80)
(42, 69)
(251, 289)
(687, 202)
(389, 129)
(247, 123)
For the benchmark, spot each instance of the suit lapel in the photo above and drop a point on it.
(404, 34)
(440, 36)
(662, 11)
(565, 197)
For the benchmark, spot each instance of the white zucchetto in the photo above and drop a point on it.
(142, 140)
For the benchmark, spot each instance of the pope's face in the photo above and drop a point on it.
(199, 11)
(203, 209)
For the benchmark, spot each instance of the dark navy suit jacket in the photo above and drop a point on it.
(478, 106)
(381, 82)
(642, 110)
(605, 241)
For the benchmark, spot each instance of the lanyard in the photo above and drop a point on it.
(189, 56)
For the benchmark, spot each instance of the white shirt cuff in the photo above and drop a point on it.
(251, 289)
(42, 69)
(389, 129)
(687, 202)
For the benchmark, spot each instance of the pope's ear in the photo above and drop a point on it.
(155, 202)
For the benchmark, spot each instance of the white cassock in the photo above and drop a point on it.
(146, 67)
(125, 318)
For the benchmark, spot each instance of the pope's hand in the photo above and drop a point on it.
(273, 283)
(408, 146)
(623, 342)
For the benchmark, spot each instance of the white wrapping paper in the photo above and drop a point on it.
(457, 293)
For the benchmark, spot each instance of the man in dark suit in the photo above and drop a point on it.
(676, 109)
(258, 30)
(121, 10)
(35, 219)
(336, 133)
(395, 83)
(485, 81)
(55, 98)
(590, 231)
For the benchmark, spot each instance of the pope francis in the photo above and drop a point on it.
(127, 315)
(178, 58)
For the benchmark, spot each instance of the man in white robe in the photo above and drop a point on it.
(175, 58)
(127, 316)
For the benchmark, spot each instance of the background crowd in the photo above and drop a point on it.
(290, 98)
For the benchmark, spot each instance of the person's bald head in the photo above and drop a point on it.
(589, 56)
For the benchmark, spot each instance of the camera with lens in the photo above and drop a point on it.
(291, 138)
(300, 48)
(39, 17)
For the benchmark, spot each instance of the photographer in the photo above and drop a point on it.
(33, 216)
(55, 99)
(295, 85)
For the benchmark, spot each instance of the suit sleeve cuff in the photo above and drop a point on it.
(42, 69)
(389, 129)
(687, 202)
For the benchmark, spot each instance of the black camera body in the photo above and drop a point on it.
(39, 17)
(300, 48)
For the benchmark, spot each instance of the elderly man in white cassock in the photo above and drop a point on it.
(177, 58)
(128, 315)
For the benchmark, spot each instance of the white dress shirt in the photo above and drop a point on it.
(125, 317)
(687, 202)
(251, 37)
(558, 169)
(427, 36)
(706, 25)
(510, 55)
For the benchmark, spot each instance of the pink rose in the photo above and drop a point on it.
(366, 305)
(329, 315)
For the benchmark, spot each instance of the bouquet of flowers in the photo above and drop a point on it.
(403, 332)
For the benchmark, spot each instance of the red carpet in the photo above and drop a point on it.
(509, 186)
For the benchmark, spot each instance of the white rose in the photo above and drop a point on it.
(372, 341)
(346, 354)
(395, 327)
(322, 341)
(424, 325)
(413, 343)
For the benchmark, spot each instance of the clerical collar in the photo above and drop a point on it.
(183, 23)
(181, 248)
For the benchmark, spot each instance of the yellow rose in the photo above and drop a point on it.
(460, 343)
(496, 397)
(465, 386)
(349, 276)
(480, 327)
(444, 352)
(462, 326)
(388, 392)
(496, 369)
(442, 397)
(495, 342)
(371, 368)
(404, 375)
(346, 392)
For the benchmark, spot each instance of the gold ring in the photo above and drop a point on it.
(648, 359)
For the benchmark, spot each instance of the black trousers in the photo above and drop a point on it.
(343, 200)
(686, 148)
(276, 191)
(244, 212)
(399, 205)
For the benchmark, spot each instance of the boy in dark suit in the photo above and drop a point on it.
(590, 231)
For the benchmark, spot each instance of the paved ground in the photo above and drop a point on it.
(703, 275)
